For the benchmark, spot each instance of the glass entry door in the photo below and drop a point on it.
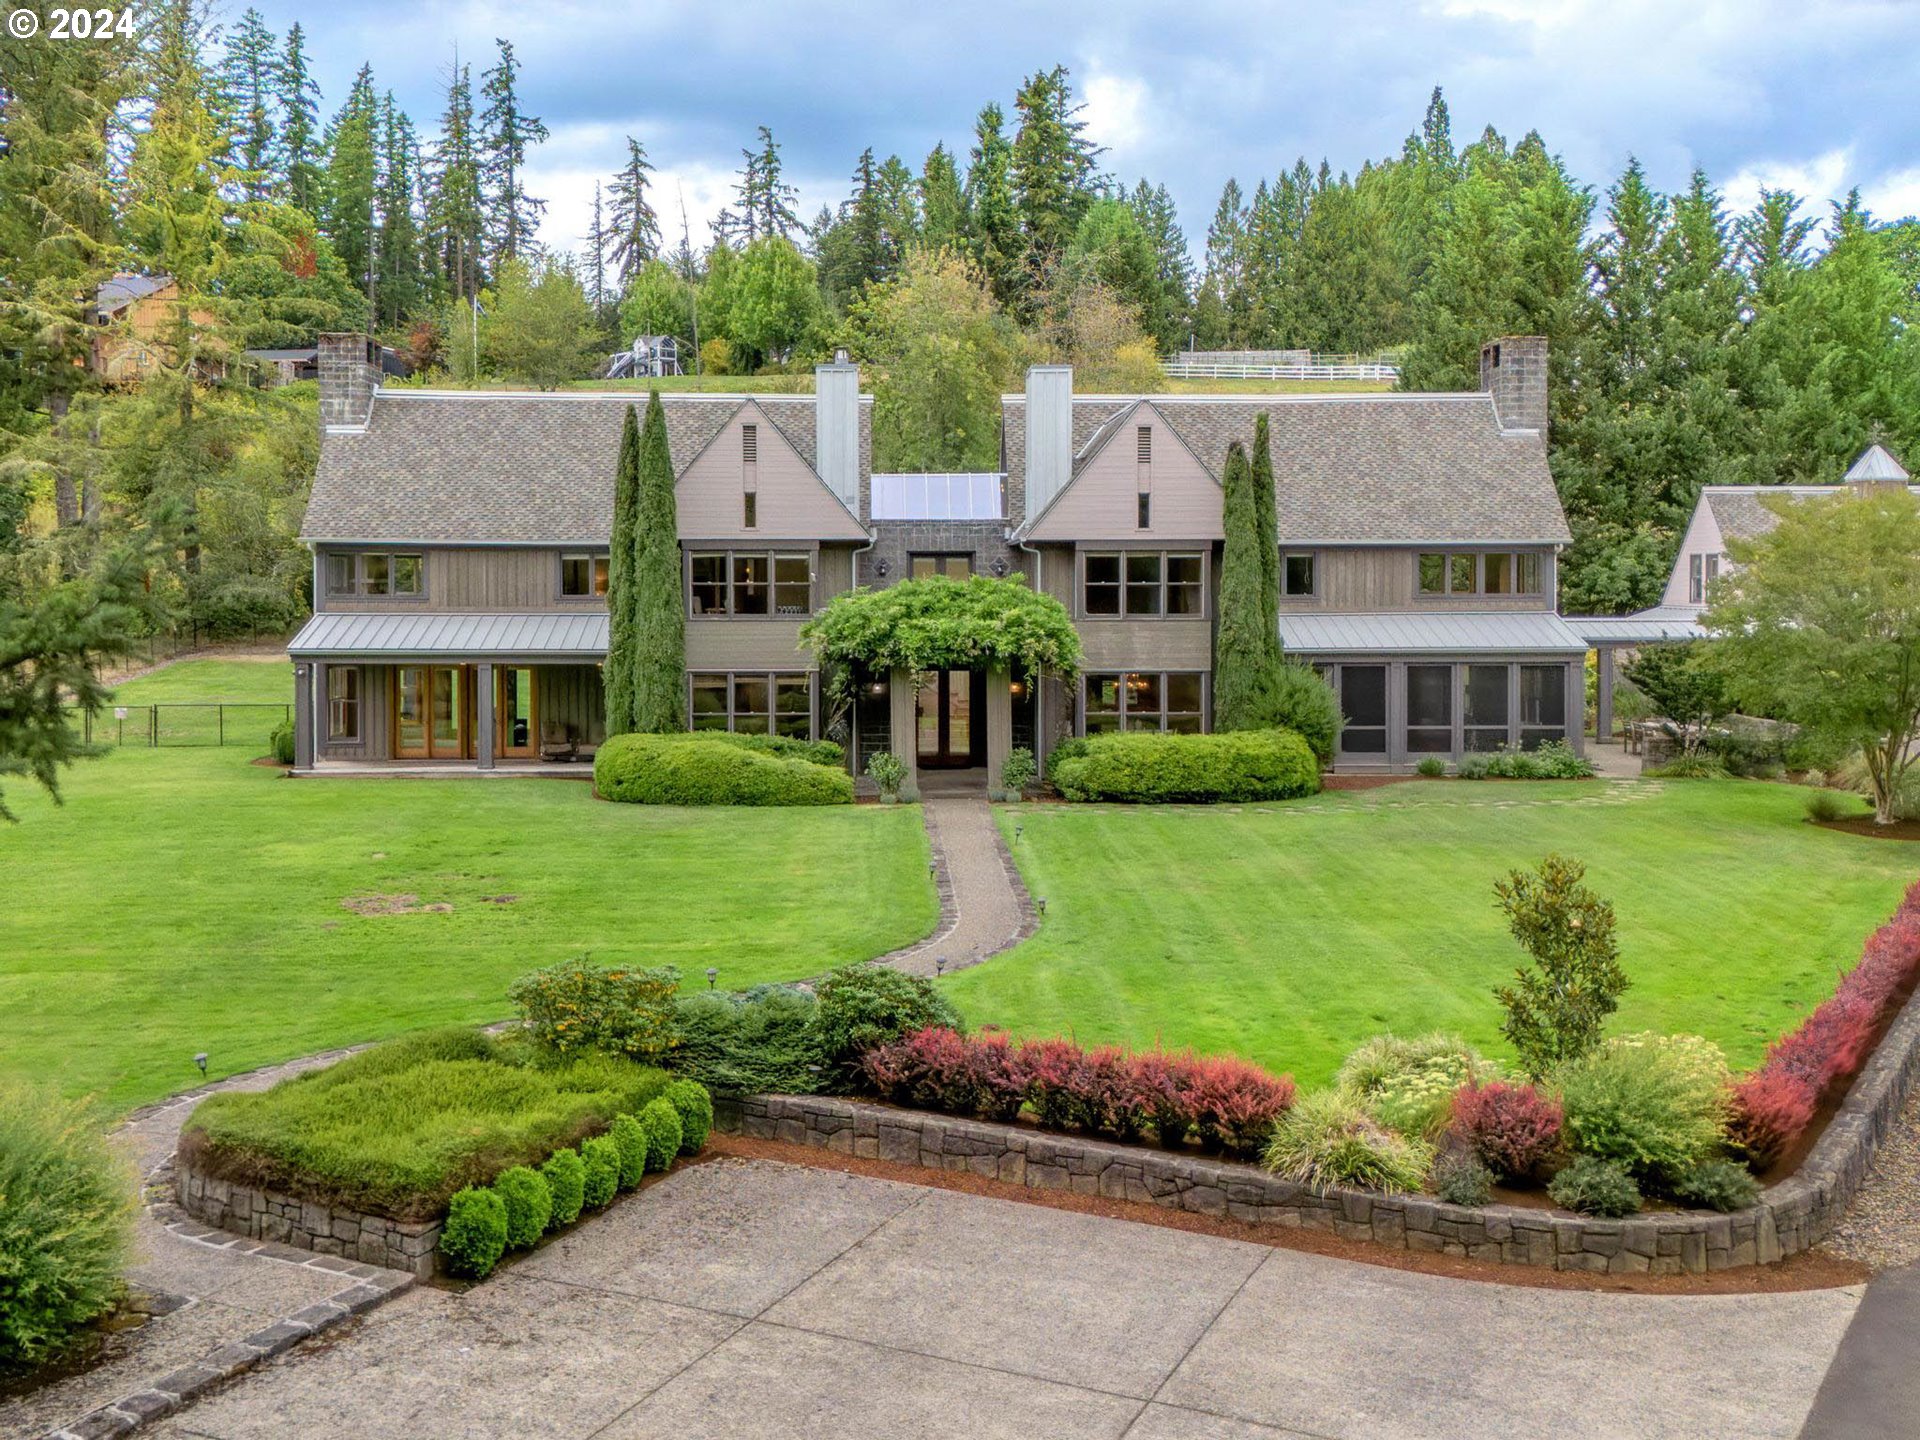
(516, 727)
(944, 720)
(429, 713)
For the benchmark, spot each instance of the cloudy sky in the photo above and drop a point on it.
(1815, 95)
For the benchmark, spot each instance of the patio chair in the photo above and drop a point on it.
(557, 741)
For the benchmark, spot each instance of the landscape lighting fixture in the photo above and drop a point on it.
(713, 974)
(201, 1061)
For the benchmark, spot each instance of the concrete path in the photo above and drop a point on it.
(1872, 1391)
(1611, 760)
(983, 904)
(752, 1299)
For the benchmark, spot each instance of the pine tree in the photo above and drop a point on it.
(351, 177)
(297, 156)
(1225, 304)
(635, 229)
(993, 227)
(869, 255)
(765, 200)
(943, 208)
(402, 288)
(596, 278)
(508, 133)
(1242, 653)
(1055, 177)
(1267, 535)
(1154, 208)
(454, 214)
(659, 632)
(248, 80)
(623, 581)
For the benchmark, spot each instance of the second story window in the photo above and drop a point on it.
(1498, 572)
(1702, 571)
(375, 572)
(583, 575)
(1296, 574)
(734, 582)
(1139, 583)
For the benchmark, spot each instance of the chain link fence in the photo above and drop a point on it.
(183, 723)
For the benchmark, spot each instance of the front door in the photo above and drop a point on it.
(428, 712)
(516, 725)
(944, 719)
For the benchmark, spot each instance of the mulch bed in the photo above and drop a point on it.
(1364, 782)
(1863, 825)
(1812, 1270)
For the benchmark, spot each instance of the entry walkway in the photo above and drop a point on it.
(984, 907)
(746, 1298)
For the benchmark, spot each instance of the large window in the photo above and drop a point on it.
(1141, 583)
(1145, 700)
(1499, 572)
(343, 702)
(753, 704)
(1296, 574)
(374, 572)
(729, 582)
(1543, 704)
(954, 567)
(583, 574)
(1430, 709)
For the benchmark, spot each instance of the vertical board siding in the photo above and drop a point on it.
(1370, 581)
(792, 502)
(1102, 501)
(571, 695)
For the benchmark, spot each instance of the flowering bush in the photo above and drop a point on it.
(1511, 1128)
(1408, 1085)
(575, 1006)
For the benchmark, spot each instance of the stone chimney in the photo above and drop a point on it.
(1876, 468)
(836, 400)
(349, 374)
(1513, 369)
(1049, 434)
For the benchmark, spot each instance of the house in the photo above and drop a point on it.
(460, 563)
(273, 368)
(1721, 513)
(128, 313)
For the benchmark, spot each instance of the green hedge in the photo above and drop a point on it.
(708, 768)
(1151, 768)
(814, 752)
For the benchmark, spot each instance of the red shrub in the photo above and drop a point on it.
(1770, 1108)
(1054, 1082)
(1512, 1128)
(930, 1068)
(999, 1078)
(1234, 1103)
(1111, 1099)
(1160, 1080)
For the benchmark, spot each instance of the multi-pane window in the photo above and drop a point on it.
(1543, 704)
(1499, 572)
(753, 704)
(733, 582)
(374, 572)
(1143, 583)
(1145, 700)
(1296, 573)
(343, 702)
(583, 574)
(954, 567)
(1702, 571)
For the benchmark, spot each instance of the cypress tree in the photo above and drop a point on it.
(659, 626)
(617, 675)
(1242, 656)
(1266, 535)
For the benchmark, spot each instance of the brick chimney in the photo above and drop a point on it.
(1049, 434)
(349, 374)
(1513, 369)
(836, 401)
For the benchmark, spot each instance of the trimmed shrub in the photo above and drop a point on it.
(1826, 806)
(1234, 1104)
(662, 1124)
(1459, 1178)
(1329, 1139)
(65, 1222)
(1718, 1185)
(1595, 1187)
(601, 1156)
(566, 1176)
(760, 1043)
(1766, 1112)
(623, 1010)
(474, 1235)
(1431, 767)
(629, 1137)
(694, 1105)
(529, 1204)
(1074, 747)
(787, 747)
(1655, 1105)
(1111, 1101)
(932, 1068)
(861, 1006)
(1052, 1068)
(1299, 700)
(999, 1078)
(888, 771)
(280, 743)
(1164, 1089)
(1018, 770)
(703, 769)
(1512, 1129)
(1147, 767)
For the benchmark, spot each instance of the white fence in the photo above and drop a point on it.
(1277, 365)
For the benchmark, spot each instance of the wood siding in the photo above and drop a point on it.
(376, 703)
(1164, 644)
(1102, 501)
(510, 580)
(571, 694)
(746, 643)
(1376, 580)
(792, 503)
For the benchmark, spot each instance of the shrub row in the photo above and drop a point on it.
(523, 1202)
(787, 747)
(1555, 760)
(709, 767)
(1773, 1106)
(1151, 768)
(1226, 1103)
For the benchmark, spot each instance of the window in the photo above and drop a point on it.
(1144, 516)
(1363, 700)
(1102, 588)
(1141, 583)
(583, 574)
(1528, 581)
(1296, 574)
(1702, 571)
(375, 572)
(749, 583)
(1184, 585)
(1543, 704)
(1498, 572)
(1483, 716)
(343, 702)
(1145, 700)
(954, 567)
(1430, 709)
(749, 511)
(753, 704)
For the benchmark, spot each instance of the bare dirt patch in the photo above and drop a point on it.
(392, 905)
(1863, 825)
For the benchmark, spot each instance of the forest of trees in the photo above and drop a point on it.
(1690, 346)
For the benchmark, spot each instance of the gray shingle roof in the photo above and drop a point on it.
(472, 637)
(495, 468)
(1487, 632)
(122, 290)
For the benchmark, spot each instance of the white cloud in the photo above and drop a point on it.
(1116, 108)
(1825, 178)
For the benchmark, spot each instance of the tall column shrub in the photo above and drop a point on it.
(1267, 533)
(659, 613)
(617, 674)
(1242, 657)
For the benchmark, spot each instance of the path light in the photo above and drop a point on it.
(1018, 831)
(1041, 901)
(713, 974)
(939, 965)
(201, 1061)
(930, 868)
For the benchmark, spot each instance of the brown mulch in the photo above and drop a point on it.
(1863, 825)
(1813, 1270)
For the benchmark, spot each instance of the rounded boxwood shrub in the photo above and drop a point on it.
(662, 1124)
(1718, 1185)
(281, 742)
(629, 1137)
(566, 1177)
(474, 1235)
(602, 1159)
(1595, 1187)
(704, 769)
(65, 1219)
(814, 752)
(1147, 767)
(529, 1204)
(694, 1105)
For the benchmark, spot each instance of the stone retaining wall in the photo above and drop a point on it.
(1791, 1216)
(259, 1214)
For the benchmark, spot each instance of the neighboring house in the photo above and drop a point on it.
(129, 313)
(274, 368)
(460, 552)
(1722, 513)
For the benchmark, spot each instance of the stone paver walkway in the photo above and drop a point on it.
(984, 906)
(749, 1299)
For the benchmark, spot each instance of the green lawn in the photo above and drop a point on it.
(1290, 933)
(185, 900)
(238, 682)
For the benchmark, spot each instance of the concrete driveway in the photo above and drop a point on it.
(747, 1299)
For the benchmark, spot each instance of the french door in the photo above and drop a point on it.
(434, 712)
(945, 729)
(516, 723)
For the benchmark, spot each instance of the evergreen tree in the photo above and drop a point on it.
(1266, 531)
(1054, 167)
(869, 253)
(943, 207)
(596, 278)
(1221, 314)
(635, 229)
(351, 179)
(297, 156)
(765, 200)
(454, 211)
(623, 581)
(1110, 248)
(659, 629)
(1153, 208)
(508, 132)
(1242, 653)
(249, 81)
(993, 221)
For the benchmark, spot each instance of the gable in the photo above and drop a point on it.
(791, 501)
(1702, 538)
(1101, 501)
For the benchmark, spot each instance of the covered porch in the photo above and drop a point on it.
(1608, 635)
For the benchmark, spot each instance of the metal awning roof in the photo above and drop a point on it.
(1643, 627)
(1502, 633)
(333, 634)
